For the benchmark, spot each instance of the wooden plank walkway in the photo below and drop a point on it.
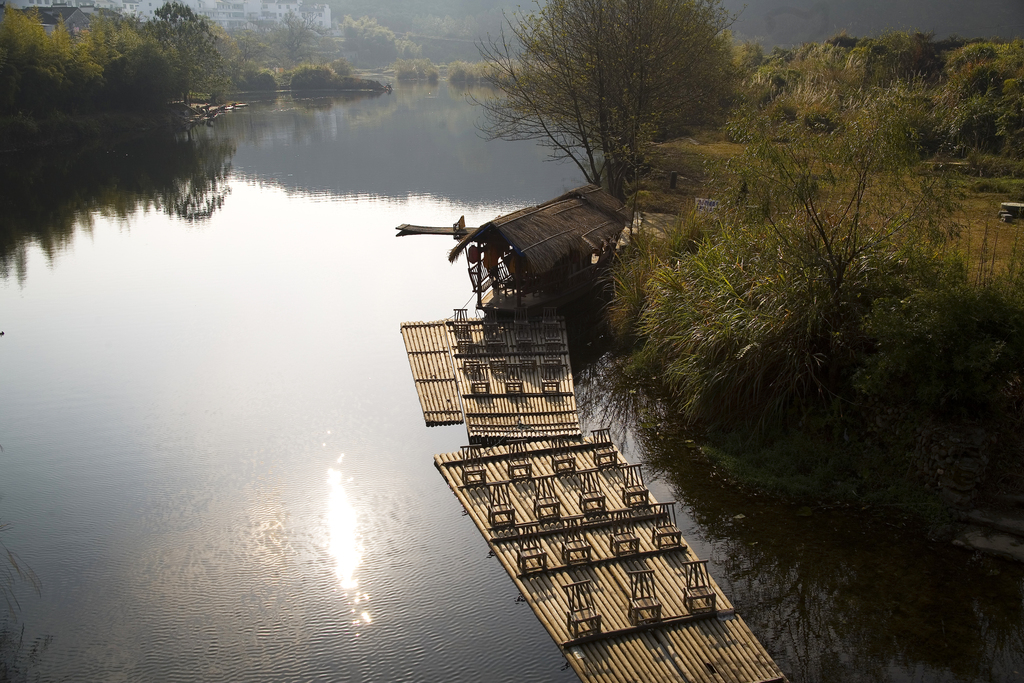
(535, 503)
(507, 379)
(430, 359)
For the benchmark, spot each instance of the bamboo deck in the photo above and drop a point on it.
(505, 379)
(685, 644)
(430, 359)
(511, 383)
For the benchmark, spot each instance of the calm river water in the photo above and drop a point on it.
(214, 460)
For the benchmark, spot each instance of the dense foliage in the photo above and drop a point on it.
(117, 64)
(120, 64)
(764, 312)
(969, 97)
(830, 292)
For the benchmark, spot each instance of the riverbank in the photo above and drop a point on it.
(903, 398)
(20, 132)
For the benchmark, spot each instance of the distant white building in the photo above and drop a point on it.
(317, 15)
(231, 14)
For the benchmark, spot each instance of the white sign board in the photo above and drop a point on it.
(706, 205)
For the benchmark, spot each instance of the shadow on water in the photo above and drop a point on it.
(834, 595)
(48, 194)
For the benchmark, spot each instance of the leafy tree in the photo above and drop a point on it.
(137, 73)
(190, 43)
(39, 73)
(597, 80)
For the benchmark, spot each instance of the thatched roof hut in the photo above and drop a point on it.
(576, 224)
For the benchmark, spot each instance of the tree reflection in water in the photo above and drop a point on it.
(47, 195)
(841, 595)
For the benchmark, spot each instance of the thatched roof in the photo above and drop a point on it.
(575, 223)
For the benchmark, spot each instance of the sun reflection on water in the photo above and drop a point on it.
(344, 544)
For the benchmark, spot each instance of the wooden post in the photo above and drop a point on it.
(520, 264)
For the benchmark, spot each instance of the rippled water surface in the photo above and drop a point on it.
(213, 455)
(214, 460)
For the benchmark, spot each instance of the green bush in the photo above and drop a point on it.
(763, 316)
(311, 77)
(253, 79)
(415, 70)
(993, 166)
(466, 72)
(952, 350)
(341, 67)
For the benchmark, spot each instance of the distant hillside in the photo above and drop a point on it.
(791, 22)
(771, 22)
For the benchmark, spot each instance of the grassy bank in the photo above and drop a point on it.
(849, 325)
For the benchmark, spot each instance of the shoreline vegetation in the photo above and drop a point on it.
(122, 76)
(847, 327)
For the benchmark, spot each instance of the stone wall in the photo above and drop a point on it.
(953, 459)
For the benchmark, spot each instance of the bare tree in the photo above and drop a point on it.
(598, 80)
(296, 39)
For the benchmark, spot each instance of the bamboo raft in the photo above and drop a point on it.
(600, 562)
(504, 379)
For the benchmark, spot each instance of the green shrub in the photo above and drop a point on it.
(762, 316)
(415, 70)
(952, 350)
(313, 77)
(341, 67)
(1014, 189)
(993, 166)
(466, 72)
(256, 80)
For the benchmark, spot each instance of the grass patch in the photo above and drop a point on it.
(690, 157)
(1012, 188)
